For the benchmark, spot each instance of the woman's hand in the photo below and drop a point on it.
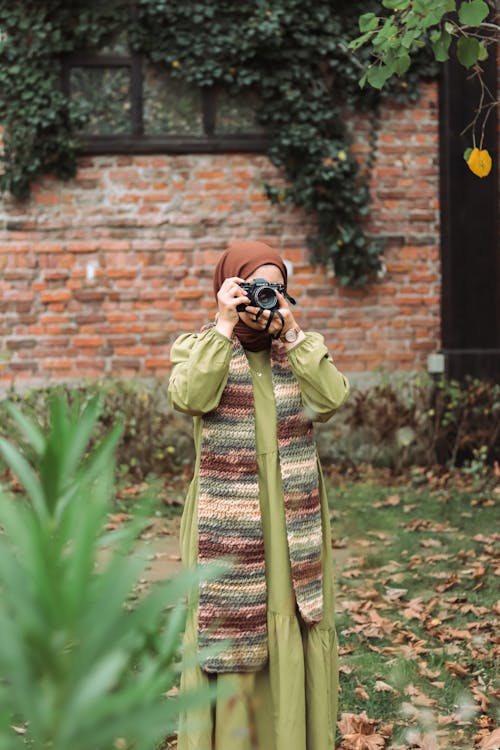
(229, 296)
(257, 319)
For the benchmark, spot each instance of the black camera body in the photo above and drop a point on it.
(263, 294)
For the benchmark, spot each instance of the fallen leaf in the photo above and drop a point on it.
(423, 741)
(480, 698)
(384, 687)
(361, 693)
(418, 697)
(393, 594)
(457, 669)
(491, 741)
(359, 732)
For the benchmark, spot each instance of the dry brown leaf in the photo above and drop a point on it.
(358, 732)
(116, 520)
(352, 573)
(392, 594)
(457, 669)
(418, 697)
(382, 535)
(384, 687)
(390, 501)
(344, 669)
(491, 741)
(448, 584)
(423, 669)
(480, 698)
(424, 741)
(426, 543)
(414, 609)
(339, 543)
(361, 693)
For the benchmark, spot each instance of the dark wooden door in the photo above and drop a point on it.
(470, 252)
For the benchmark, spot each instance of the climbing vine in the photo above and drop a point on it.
(292, 54)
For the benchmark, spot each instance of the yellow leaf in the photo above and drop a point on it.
(479, 162)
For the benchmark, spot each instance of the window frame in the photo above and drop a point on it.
(138, 142)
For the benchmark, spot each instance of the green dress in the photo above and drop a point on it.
(291, 704)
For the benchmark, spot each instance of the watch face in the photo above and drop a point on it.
(291, 335)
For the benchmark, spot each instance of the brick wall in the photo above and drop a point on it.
(98, 275)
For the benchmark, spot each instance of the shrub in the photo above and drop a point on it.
(417, 421)
(154, 439)
(80, 666)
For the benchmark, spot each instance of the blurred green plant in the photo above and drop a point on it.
(85, 662)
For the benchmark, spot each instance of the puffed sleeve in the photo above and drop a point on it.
(201, 367)
(324, 389)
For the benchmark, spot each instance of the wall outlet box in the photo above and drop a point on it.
(435, 364)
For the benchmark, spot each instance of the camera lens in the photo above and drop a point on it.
(266, 298)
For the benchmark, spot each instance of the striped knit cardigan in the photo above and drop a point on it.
(232, 611)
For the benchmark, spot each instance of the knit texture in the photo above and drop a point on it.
(232, 612)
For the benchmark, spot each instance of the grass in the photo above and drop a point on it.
(417, 599)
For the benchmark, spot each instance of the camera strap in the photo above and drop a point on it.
(272, 313)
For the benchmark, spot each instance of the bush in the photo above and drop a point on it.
(154, 440)
(396, 423)
(417, 421)
(84, 664)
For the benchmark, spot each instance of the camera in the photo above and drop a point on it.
(263, 294)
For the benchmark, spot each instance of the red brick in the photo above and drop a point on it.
(131, 351)
(121, 273)
(81, 247)
(61, 295)
(121, 317)
(114, 245)
(188, 294)
(56, 364)
(156, 197)
(157, 363)
(47, 247)
(87, 341)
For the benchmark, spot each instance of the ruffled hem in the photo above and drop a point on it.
(291, 704)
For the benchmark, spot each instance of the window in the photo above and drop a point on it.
(132, 105)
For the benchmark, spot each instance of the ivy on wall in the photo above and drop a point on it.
(293, 54)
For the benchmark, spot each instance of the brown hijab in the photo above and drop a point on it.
(242, 259)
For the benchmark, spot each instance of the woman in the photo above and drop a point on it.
(254, 382)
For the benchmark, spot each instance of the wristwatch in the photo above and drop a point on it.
(290, 336)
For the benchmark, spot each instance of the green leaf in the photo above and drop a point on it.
(468, 51)
(30, 429)
(26, 476)
(401, 64)
(467, 153)
(441, 46)
(396, 4)
(368, 22)
(473, 13)
(360, 40)
(378, 75)
(483, 52)
(362, 80)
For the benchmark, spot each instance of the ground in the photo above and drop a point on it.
(417, 570)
